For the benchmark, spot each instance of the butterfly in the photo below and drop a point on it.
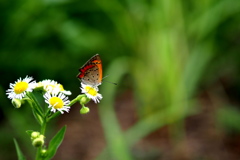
(91, 71)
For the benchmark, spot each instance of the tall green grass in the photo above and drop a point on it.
(173, 43)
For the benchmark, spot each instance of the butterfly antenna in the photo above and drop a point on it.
(108, 81)
(105, 77)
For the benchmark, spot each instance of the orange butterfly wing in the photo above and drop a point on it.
(91, 71)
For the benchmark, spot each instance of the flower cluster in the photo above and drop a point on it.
(28, 91)
(55, 95)
(54, 92)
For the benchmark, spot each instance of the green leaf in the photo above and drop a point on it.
(19, 152)
(29, 132)
(55, 143)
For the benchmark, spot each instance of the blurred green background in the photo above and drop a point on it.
(176, 63)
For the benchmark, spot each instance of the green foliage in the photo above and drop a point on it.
(19, 152)
(55, 143)
(173, 48)
(29, 132)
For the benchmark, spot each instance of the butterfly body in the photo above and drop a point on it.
(91, 71)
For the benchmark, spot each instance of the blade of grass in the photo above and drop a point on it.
(19, 152)
(116, 142)
(201, 25)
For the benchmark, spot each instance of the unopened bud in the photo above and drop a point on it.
(84, 100)
(35, 135)
(38, 142)
(84, 110)
(16, 103)
(44, 152)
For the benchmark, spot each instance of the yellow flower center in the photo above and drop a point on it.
(56, 102)
(61, 87)
(91, 91)
(20, 87)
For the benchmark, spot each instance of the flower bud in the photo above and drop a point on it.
(16, 103)
(44, 152)
(38, 142)
(84, 100)
(84, 110)
(35, 135)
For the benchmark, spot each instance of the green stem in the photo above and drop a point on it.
(42, 132)
(36, 103)
(43, 127)
(36, 112)
(77, 99)
(38, 157)
(53, 116)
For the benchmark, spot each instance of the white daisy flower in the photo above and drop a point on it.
(57, 102)
(19, 89)
(91, 92)
(53, 87)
